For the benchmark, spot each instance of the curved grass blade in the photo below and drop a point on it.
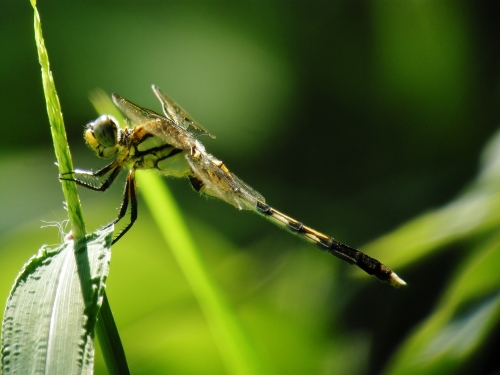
(238, 351)
(462, 321)
(473, 213)
(58, 132)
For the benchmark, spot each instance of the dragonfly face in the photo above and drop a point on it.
(102, 136)
(170, 145)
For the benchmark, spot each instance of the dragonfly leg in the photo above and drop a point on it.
(129, 195)
(114, 168)
(101, 172)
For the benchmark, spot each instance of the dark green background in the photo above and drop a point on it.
(351, 116)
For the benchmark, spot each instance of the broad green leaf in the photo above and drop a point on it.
(49, 320)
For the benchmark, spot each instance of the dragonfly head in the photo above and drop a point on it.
(102, 136)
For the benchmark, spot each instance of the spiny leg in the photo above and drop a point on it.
(129, 195)
(114, 168)
(328, 244)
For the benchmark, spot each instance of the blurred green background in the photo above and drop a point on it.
(353, 117)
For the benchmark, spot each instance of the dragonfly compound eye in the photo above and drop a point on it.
(102, 136)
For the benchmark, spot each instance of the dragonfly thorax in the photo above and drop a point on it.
(103, 136)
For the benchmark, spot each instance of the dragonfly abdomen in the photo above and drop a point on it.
(294, 226)
(327, 244)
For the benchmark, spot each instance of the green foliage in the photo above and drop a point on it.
(353, 117)
(468, 309)
(49, 319)
(462, 322)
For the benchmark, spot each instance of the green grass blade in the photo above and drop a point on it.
(237, 349)
(58, 133)
(110, 342)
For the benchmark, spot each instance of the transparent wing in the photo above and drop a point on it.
(178, 115)
(146, 121)
(223, 184)
(133, 112)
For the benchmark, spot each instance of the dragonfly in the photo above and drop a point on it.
(169, 143)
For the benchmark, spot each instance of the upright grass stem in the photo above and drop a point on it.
(107, 332)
